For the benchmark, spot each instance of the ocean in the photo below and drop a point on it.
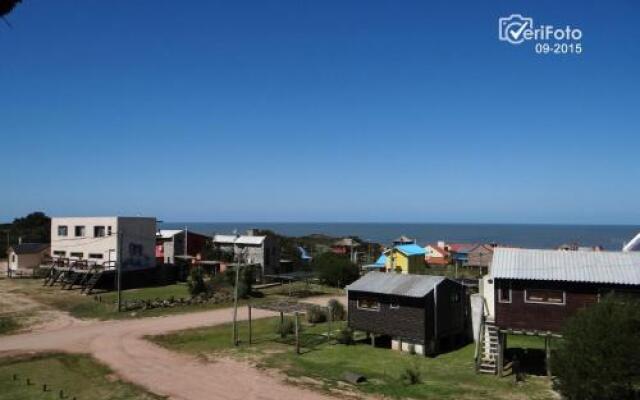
(611, 237)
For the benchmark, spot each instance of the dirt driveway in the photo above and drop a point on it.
(121, 346)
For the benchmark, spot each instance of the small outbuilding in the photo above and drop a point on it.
(24, 257)
(418, 312)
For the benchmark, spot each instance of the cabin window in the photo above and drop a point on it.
(63, 230)
(368, 304)
(76, 254)
(59, 253)
(95, 255)
(504, 295)
(544, 296)
(98, 231)
(79, 231)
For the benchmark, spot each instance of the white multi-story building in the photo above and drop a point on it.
(102, 240)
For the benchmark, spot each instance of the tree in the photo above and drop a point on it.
(334, 269)
(599, 356)
(196, 283)
(34, 228)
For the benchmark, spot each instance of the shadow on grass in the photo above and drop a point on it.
(532, 361)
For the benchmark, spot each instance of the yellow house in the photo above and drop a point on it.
(406, 258)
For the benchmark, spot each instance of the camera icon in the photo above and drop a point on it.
(511, 29)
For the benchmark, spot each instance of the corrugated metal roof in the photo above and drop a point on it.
(396, 284)
(410, 249)
(250, 239)
(228, 239)
(167, 233)
(245, 239)
(575, 266)
(382, 260)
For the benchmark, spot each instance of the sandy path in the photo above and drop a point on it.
(121, 346)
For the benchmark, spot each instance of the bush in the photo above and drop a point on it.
(336, 310)
(288, 327)
(316, 314)
(196, 283)
(345, 336)
(411, 375)
(335, 270)
(599, 356)
(245, 281)
(8, 324)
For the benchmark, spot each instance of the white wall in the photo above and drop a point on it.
(136, 231)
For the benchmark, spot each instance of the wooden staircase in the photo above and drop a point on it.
(93, 280)
(488, 358)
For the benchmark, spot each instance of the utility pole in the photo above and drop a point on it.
(235, 300)
(119, 270)
(8, 266)
(186, 236)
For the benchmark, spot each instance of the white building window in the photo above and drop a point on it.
(96, 256)
(98, 231)
(59, 253)
(76, 254)
(63, 230)
(79, 231)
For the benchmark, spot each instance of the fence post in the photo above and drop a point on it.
(297, 333)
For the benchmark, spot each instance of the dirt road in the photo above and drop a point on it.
(121, 346)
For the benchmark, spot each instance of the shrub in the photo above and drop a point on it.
(8, 324)
(335, 270)
(316, 314)
(288, 327)
(599, 356)
(336, 310)
(345, 336)
(411, 375)
(196, 282)
(245, 281)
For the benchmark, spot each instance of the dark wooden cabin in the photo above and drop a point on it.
(418, 312)
(537, 290)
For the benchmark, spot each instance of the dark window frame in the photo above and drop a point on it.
(501, 300)
(63, 228)
(79, 228)
(99, 231)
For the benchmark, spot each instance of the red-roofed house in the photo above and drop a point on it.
(436, 255)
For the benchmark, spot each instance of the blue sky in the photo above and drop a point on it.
(407, 111)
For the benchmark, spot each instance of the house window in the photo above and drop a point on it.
(545, 296)
(59, 253)
(504, 295)
(368, 304)
(63, 230)
(98, 231)
(76, 254)
(95, 255)
(79, 231)
(109, 230)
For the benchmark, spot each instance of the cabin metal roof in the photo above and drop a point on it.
(396, 284)
(410, 249)
(614, 267)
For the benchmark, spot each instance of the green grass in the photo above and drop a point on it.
(77, 375)
(103, 305)
(447, 376)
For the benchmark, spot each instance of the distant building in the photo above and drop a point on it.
(102, 240)
(437, 255)
(480, 256)
(260, 250)
(406, 258)
(346, 246)
(170, 244)
(24, 257)
(402, 239)
(418, 312)
(460, 252)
